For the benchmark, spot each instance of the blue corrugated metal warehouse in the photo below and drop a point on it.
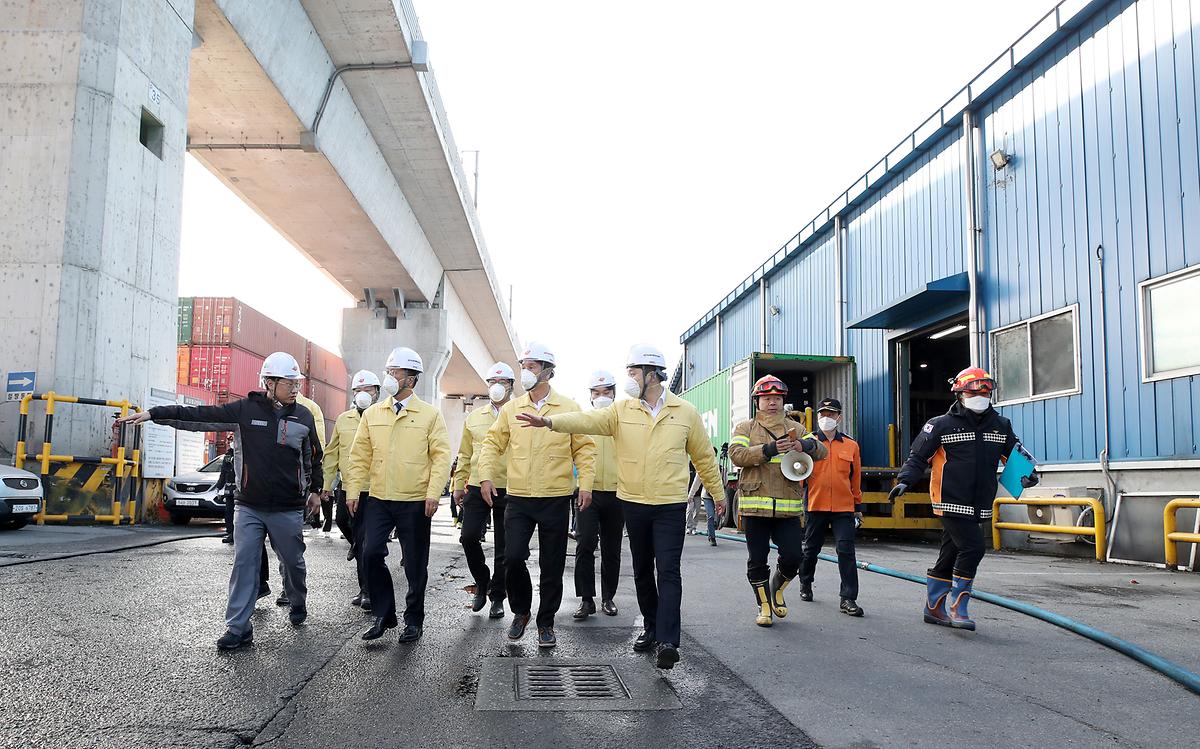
(1045, 222)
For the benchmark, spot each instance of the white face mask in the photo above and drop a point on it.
(528, 379)
(497, 392)
(362, 401)
(827, 424)
(977, 403)
(601, 401)
(632, 388)
(391, 386)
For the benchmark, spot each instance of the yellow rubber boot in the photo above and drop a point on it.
(778, 583)
(763, 597)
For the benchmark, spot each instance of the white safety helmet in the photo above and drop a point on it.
(280, 364)
(537, 352)
(500, 371)
(645, 355)
(364, 378)
(405, 358)
(601, 379)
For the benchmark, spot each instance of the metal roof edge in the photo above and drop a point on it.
(1060, 21)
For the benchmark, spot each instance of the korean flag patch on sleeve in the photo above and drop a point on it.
(928, 428)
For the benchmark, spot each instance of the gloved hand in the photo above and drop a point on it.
(770, 450)
(896, 491)
(1030, 480)
(808, 445)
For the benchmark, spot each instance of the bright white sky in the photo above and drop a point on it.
(638, 159)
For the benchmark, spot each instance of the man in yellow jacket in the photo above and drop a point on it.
(336, 466)
(475, 509)
(401, 452)
(655, 433)
(602, 521)
(541, 484)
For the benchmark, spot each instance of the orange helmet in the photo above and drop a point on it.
(973, 380)
(769, 385)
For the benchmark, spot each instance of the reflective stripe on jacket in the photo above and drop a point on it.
(763, 491)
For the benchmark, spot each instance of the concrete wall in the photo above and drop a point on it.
(89, 255)
(367, 341)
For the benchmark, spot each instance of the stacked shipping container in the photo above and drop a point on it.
(222, 345)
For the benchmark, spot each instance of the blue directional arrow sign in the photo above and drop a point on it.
(19, 384)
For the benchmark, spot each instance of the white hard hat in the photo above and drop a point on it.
(537, 352)
(281, 364)
(601, 379)
(500, 371)
(405, 358)
(645, 355)
(364, 378)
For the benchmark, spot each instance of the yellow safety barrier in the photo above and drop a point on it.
(899, 518)
(123, 467)
(892, 457)
(1172, 536)
(1096, 531)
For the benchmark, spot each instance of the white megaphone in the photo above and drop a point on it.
(796, 466)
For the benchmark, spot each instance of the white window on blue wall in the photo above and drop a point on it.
(1170, 309)
(1037, 358)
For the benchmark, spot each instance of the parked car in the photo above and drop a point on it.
(20, 497)
(195, 494)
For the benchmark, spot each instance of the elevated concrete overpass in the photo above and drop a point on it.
(358, 168)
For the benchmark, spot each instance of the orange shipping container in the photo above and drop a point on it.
(183, 364)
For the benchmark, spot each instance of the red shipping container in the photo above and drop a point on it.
(224, 321)
(225, 370)
(183, 364)
(332, 400)
(206, 397)
(325, 366)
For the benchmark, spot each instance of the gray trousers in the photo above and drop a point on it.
(286, 531)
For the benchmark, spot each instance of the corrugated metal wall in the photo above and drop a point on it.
(804, 292)
(741, 329)
(701, 356)
(1104, 138)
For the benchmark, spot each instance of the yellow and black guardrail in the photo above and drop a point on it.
(127, 484)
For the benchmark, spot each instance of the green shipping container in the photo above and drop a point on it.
(185, 319)
(711, 399)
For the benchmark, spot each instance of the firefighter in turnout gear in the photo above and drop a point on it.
(963, 447)
(769, 504)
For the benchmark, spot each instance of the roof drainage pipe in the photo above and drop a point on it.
(1170, 669)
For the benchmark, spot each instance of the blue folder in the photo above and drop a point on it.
(1020, 464)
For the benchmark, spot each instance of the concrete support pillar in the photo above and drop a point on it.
(367, 339)
(94, 101)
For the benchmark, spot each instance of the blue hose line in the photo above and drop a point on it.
(1170, 669)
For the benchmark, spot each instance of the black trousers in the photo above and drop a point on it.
(842, 524)
(656, 544)
(788, 535)
(352, 528)
(408, 519)
(603, 522)
(327, 513)
(962, 547)
(551, 517)
(475, 513)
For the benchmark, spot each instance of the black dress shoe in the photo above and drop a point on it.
(230, 641)
(297, 615)
(357, 600)
(282, 600)
(366, 604)
(806, 591)
(668, 656)
(644, 643)
(480, 600)
(350, 554)
(517, 629)
(497, 610)
(712, 541)
(411, 633)
(377, 629)
(587, 607)
(609, 608)
(546, 638)
(264, 590)
(227, 539)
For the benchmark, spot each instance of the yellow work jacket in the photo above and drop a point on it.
(318, 417)
(606, 464)
(539, 462)
(652, 452)
(403, 456)
(337, 452)
(475, 429)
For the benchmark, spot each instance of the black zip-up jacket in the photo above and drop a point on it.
(279, 454)
(964, 449)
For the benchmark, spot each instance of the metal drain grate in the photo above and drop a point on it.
(578, 682)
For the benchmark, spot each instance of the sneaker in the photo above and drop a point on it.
(546, 638)
(806, 593)
(712, 540)
(230, 641)
(517, 629)
(850, 608)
